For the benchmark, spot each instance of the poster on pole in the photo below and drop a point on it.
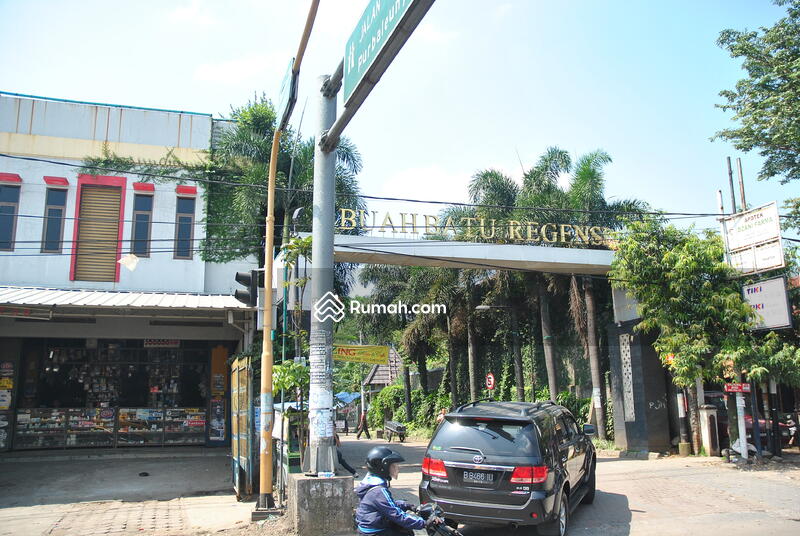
(770, 302)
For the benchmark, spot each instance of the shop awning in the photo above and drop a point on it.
(21, 297)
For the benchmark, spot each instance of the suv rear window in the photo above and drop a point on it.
(504, 438)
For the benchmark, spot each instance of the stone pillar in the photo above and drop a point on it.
(321, 506)
(641, 416)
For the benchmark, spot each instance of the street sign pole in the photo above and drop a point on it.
(320, 398)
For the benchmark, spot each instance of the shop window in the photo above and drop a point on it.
(142, 224)
(184, 228)
(53, 228)
(9, 203)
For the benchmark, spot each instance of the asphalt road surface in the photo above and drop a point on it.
(670, 496)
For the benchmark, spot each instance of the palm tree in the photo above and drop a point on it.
(585, 202)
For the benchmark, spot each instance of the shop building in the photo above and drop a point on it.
(113, 330)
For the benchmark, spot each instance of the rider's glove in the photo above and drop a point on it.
(432, 520)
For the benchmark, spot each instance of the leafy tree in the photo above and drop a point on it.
(689, 297)
(767, 103)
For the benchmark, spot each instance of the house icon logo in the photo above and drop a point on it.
(329, 306)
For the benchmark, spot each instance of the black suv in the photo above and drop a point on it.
(509, 463)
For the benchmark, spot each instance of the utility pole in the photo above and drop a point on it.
(320, 398)
(730, 184)
(741, 184)
(740, 403)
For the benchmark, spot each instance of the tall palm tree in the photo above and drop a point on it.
(584, 202)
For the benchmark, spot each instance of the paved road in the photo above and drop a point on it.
(671, 496)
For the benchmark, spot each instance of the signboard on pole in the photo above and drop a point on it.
(378, 30)
(770, 302)
(490, 381)
(753, 239)
(373, 355)
(737, 387)
(287, 97)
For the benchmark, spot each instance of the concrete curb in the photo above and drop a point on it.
(630, 454)
(112, 456)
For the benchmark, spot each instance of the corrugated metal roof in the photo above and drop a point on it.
(109, 298)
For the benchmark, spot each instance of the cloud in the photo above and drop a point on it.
(501, 11)
(192, 14)
(243, 69)
(432, 182)
(433, 35)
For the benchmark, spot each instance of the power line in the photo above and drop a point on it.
(373, 197)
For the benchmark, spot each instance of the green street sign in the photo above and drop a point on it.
(287, 97)
(373, 31)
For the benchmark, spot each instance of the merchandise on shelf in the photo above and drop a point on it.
(40, 428)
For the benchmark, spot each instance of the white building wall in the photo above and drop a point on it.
(63, 125)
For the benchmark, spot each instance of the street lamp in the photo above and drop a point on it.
(520, 380)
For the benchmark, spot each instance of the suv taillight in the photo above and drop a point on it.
(529, 475)
(433, 467)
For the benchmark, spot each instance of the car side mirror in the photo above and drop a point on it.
(588, 429)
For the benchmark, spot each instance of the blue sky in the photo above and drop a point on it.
(479, 83)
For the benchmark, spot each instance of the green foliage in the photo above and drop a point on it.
(289, 376)
(384, 405)
(767, 102)
(579, 407)
(688, 296)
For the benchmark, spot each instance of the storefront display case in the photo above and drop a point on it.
(90, 427)
(140, 427)
(40, 429)
(185, 426)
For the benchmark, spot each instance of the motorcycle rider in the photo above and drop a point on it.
(378, 513)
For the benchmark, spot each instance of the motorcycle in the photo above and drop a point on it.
(428, 510)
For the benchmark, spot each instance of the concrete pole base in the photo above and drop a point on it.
(320, 506)
(684, 449)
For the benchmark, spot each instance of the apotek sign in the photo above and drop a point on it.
(753, 239)
(737, 387)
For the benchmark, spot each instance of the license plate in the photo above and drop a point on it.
(477, 477)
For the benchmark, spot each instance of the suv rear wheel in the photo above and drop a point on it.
(557, 527)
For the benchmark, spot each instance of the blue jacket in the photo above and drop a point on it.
(377, 509)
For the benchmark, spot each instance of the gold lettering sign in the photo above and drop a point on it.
(474, 228)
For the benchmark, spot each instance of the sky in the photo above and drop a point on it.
(480, 84)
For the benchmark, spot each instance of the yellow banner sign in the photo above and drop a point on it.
(374, 355)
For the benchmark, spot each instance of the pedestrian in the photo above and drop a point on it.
(341, 459)
(363, 428)
(440, 416)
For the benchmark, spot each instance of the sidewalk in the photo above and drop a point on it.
(21, 456)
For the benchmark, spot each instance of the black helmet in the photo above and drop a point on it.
(379, 459)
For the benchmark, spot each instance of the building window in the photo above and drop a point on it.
(184, 228)
(53, 229)
(142, 223)
(9, 202)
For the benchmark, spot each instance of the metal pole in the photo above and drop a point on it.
(773, 402)
(265, 499)
(320, 399)
(730, 182)
(741, 183)
(756, 425)
(683, 446)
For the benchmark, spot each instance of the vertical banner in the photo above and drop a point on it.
(217, 419)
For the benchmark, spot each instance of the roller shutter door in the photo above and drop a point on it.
(98, 234)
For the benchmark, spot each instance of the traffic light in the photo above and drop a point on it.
(250, 281)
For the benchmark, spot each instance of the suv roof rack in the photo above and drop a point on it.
(524, 412)
(473, 403)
